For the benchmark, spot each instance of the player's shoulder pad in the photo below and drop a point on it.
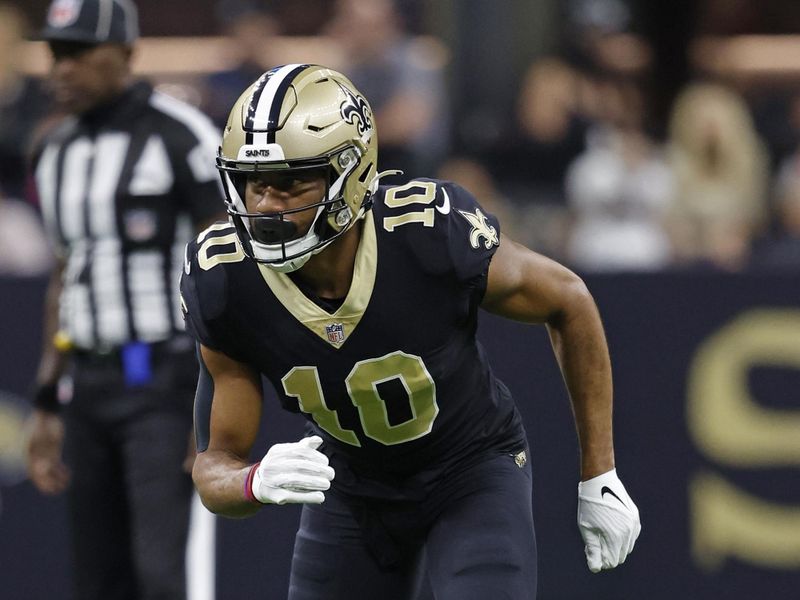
(440, 221)
(467, 217)
(204, 278)
(436, 205)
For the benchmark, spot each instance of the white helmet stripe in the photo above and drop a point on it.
(263, 111)
(259, 138)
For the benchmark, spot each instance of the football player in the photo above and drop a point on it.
(358, 302)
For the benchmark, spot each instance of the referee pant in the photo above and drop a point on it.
(129, 498)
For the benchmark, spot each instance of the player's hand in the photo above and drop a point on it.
(608, 520)
(293, 473)
(45, 439)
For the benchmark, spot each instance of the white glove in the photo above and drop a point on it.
(608, 520)
(293, 473)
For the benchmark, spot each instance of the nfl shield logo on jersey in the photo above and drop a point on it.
(140, 224)
(335, 333)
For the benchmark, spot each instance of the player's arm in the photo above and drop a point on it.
(229, 397)
(529, 287)
(233, 413)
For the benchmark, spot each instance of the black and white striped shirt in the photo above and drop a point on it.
(121, 188)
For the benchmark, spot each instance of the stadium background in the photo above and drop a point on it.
(706, 355)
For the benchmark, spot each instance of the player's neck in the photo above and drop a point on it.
(330, 273)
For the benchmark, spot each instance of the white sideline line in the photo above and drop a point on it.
(200, 553)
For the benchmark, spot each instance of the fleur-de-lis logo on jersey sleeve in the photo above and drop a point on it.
(480, 229)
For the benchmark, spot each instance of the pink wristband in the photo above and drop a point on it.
(248, 485)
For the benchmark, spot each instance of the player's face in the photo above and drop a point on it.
(84, 76)
(270, 193)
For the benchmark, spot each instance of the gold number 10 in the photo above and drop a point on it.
(303, 383)
(396, 199)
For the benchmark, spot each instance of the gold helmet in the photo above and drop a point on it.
(298, 118)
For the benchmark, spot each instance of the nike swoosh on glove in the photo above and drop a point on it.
(608, 520)
(293, 473)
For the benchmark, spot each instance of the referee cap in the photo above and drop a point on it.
(92, 21)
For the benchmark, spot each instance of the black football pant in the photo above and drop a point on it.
(129, 498)
(480, 544)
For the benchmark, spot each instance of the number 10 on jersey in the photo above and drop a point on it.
(362, 383)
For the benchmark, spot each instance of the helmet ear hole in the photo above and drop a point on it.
(365, 174)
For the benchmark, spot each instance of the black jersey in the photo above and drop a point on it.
(394, 379)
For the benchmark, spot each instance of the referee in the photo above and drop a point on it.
(124, 181)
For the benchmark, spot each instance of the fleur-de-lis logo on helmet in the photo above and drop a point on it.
(356, 111)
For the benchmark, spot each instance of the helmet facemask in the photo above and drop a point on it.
(271, 238)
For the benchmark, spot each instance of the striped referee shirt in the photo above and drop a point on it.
(120, 189)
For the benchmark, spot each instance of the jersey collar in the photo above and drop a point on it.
(334, 328)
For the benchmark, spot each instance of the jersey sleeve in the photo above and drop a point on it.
(443, 225)
(203, 294)
(472, 235)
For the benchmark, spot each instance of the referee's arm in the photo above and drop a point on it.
(51, 363)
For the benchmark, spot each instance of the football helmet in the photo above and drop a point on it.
(293, 120)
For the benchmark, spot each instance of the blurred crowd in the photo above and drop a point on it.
(578, 170)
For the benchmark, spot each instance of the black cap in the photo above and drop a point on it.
(92, 21)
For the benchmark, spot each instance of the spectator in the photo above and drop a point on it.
(776, 113)
(121, 181)
(619, 191)
(781, 249)
(301, 17)
(248, 28)
(22, 102)
(721, 170)
(403, 77)
(531, 159)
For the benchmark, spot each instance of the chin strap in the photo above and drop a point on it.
(373, 185)
(371, 189)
